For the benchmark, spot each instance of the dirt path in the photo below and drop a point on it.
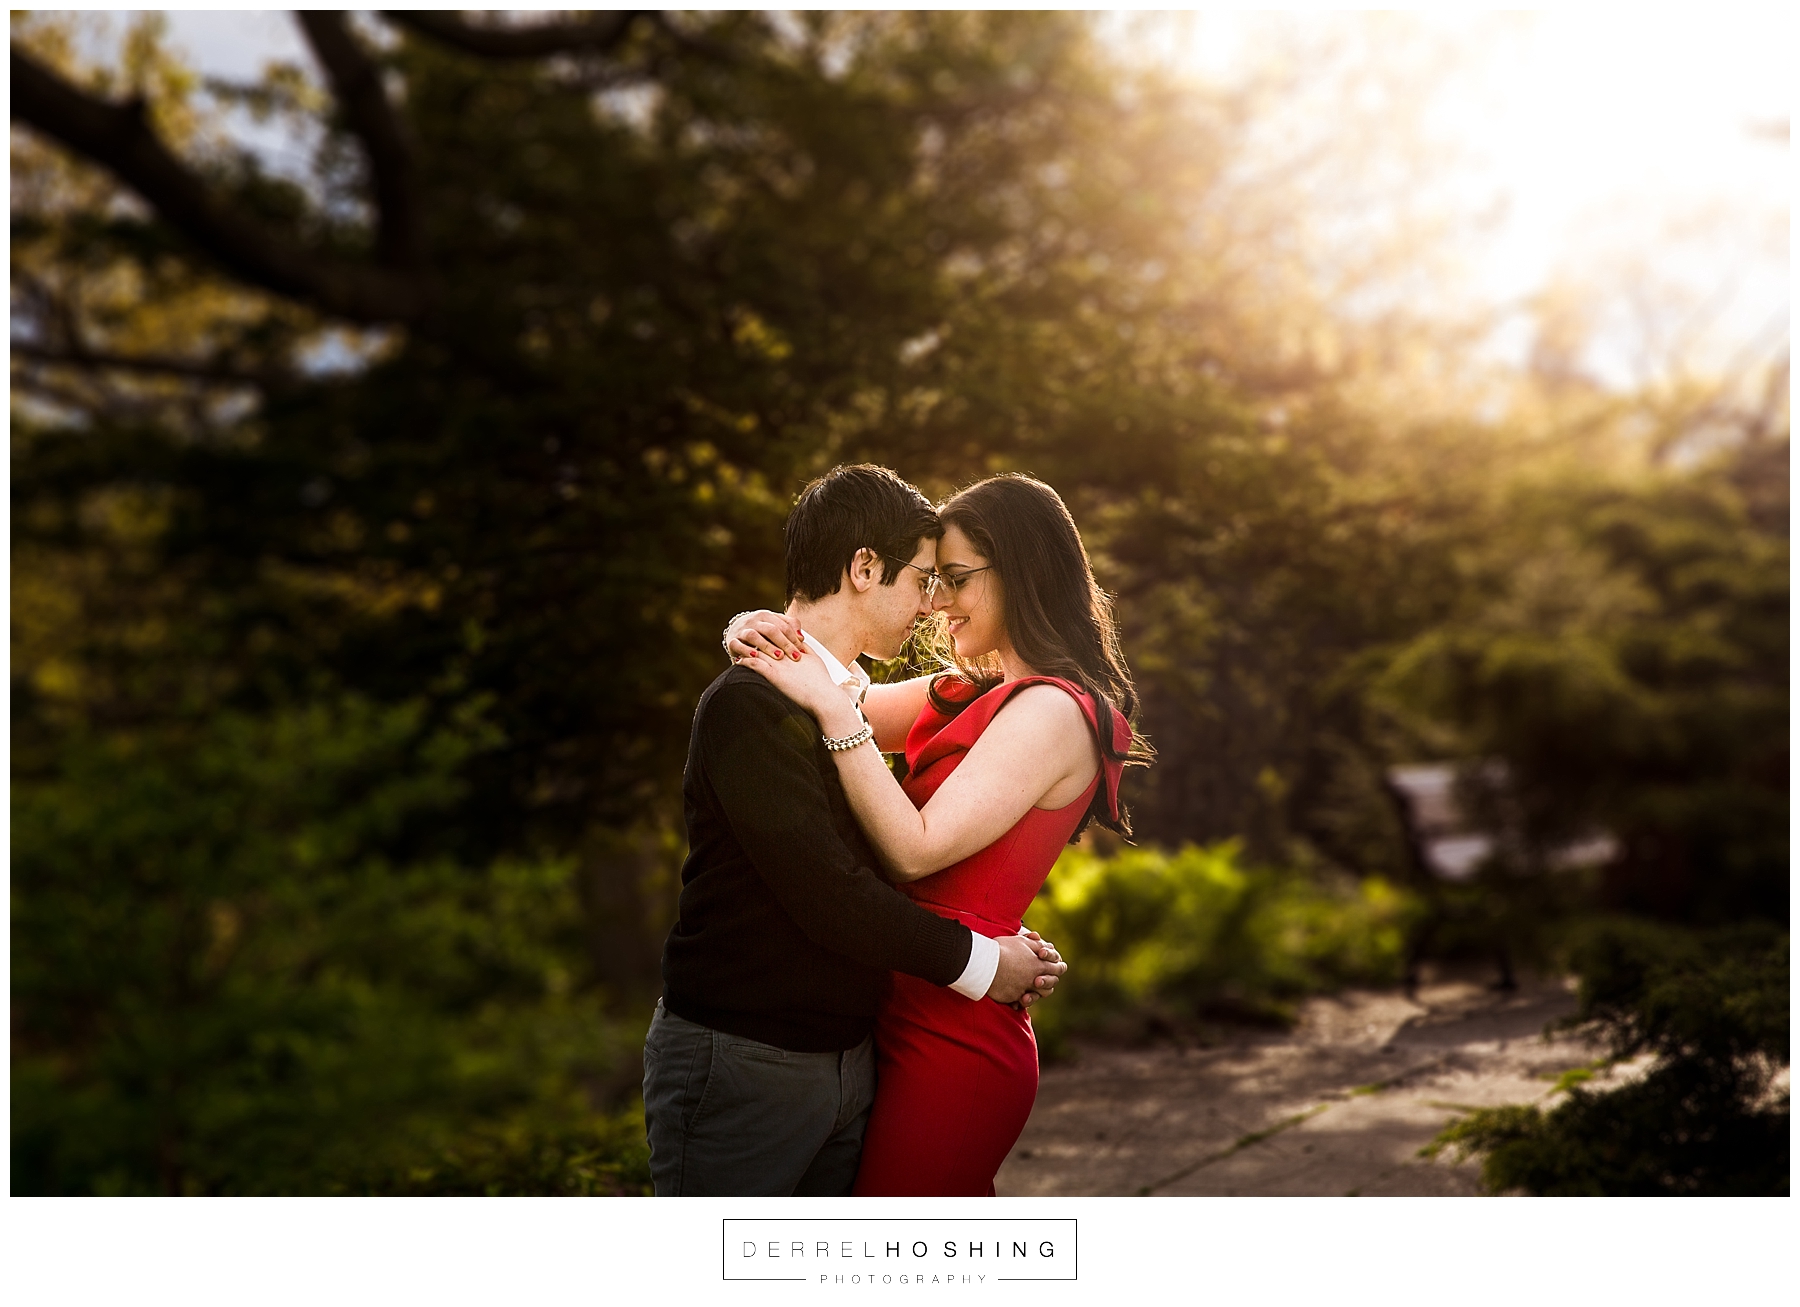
(1341, 1105)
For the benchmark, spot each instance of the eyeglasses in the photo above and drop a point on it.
(931, 583)
(954, 581)
(928, 580)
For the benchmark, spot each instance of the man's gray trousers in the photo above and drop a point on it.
(728, 1116)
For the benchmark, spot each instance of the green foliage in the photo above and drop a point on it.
(1196, 933)
(239, 966)
(595, 1157)
(1625, 654)
(1707, 1117)
(1262, 571)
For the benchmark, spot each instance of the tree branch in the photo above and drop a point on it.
(45, 391)
(118, 138)
(161, 365)
(597, 35)
(356, 82)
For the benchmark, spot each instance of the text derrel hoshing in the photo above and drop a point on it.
(900, 1250)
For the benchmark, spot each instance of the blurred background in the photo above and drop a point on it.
(402, 403)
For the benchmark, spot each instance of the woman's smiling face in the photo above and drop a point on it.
(976, 611)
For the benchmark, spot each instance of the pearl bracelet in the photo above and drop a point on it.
(725, 635)
(849, 742)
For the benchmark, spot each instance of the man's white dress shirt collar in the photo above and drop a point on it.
(852, 680)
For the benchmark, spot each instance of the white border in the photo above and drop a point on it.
(280, 1251)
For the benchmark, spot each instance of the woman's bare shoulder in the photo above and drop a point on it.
(1042, 731)
(1046, 707)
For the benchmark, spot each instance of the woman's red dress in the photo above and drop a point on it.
(957, 1078)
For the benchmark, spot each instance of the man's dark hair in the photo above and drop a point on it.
(849, 508)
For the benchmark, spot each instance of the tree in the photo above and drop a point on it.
(1623, 648)
(600, 349)
(605, 311)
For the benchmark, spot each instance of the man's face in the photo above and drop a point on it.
(896, 607)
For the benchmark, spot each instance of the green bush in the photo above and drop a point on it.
(1153, 937)
(1708, 1118)
(240, 966)
(590, 1156)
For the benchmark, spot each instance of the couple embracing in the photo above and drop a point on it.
(845, 991)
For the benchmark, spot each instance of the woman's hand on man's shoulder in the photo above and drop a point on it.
(764, 633)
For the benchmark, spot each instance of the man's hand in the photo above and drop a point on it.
(1028, 970)
(1046, 951)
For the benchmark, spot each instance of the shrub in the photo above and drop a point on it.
(1152, 936)
(240, 966)
(589, 1156)
(1708, 1118)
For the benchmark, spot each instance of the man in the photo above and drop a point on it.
(758, 1066)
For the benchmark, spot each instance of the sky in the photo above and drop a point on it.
(1617, 136)
(1641, 153)
(1634, 150)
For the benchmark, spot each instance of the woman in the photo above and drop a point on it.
(989, 800)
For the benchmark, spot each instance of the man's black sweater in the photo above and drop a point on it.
(785, 930)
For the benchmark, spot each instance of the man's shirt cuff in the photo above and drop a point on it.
(984, 961)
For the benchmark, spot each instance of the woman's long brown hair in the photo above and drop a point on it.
(1059, 621)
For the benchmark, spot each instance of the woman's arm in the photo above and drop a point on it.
(891, 707)
(1038, 751)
